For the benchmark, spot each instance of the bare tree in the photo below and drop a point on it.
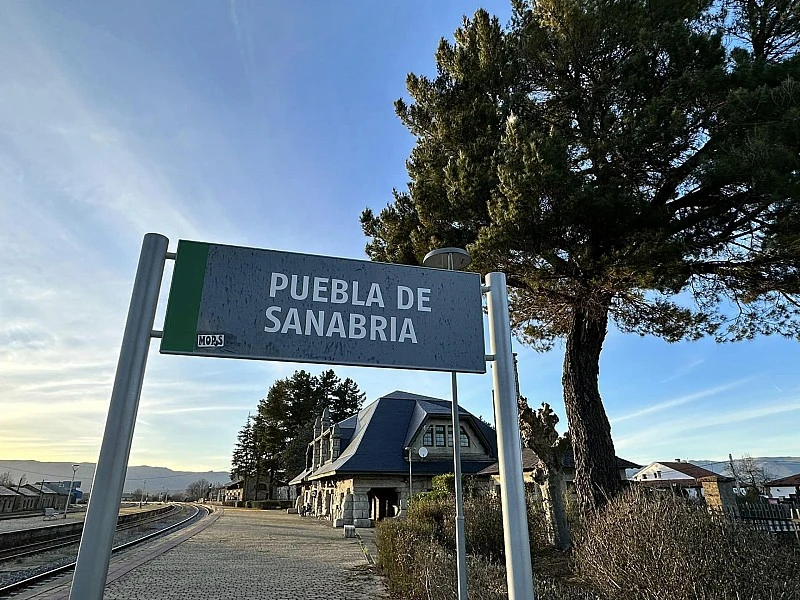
(6, 480)
(198, 489)
(538, 430)
(750, 474)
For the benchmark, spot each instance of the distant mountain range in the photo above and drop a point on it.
(156, 477)
(777, 466)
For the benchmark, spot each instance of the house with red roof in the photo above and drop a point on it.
(786, 488)
(679, 476)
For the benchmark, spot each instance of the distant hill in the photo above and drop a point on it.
(134, 478)
(778, 466)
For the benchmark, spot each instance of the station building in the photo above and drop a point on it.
(357, 470)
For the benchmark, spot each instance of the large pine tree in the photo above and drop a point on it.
(625, 160)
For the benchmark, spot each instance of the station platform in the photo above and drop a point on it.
(243, 553)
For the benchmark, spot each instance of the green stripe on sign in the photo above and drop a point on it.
(183, 306)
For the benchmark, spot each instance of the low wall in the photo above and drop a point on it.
(13, 539)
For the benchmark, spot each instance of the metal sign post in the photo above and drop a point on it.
(94, 554)
(519, 574)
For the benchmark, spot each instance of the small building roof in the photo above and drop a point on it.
(46, 490)
(790, 481)
(299, 479)
(4, 491)
(692, 470)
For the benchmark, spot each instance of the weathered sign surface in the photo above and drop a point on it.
(234, 302)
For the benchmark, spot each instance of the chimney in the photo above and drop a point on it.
(316, 444)
(336, 442)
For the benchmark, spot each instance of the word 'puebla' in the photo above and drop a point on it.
(350, 326)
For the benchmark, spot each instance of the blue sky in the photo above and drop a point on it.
(270, 125)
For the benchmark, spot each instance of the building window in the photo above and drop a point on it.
(464, 439)
(440, 435)
(427, 439)
(450, 436)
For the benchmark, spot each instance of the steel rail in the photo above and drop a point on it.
(23, 583)
(72, 538)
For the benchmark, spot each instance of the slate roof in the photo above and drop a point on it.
(530, 459)
(381, 431)
(791, 480)
(44, 489)
(4, 491)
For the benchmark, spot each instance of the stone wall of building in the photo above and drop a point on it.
(718, 492)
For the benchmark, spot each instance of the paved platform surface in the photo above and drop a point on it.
(256, 554)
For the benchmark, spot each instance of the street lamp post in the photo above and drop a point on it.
(410, 449)
(75, 468)
(454, 259)
(144, 490)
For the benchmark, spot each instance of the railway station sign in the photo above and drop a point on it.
(236, 302)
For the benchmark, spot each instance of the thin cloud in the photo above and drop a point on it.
(196, 409)
(675, 432)
(684, 370)
(682, 400)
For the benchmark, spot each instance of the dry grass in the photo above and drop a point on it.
(658, 547)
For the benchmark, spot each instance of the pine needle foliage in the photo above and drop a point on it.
(628, 160)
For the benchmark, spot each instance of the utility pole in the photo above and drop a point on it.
(735, 472)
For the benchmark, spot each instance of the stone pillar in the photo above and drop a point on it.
(718, 492)
(345, 516)
(361, 510)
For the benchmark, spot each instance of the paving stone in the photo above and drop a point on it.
(267, 554)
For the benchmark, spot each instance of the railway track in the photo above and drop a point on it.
(10, 589)
(19, 552)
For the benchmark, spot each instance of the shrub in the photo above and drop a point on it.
(655, 547)
(418, 567)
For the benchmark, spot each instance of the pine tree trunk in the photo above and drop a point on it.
(596, 474)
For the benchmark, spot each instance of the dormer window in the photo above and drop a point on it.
(427, 438)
